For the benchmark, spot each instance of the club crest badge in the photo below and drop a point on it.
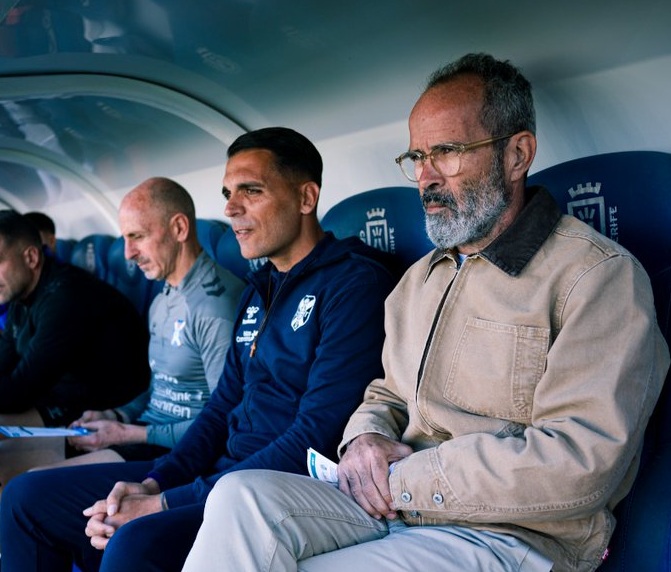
(589, 205)
(377, 232)
(303, 312)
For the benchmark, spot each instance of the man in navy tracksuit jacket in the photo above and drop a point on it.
(311, 364)
(307, 340)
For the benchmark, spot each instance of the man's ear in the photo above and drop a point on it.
(179, 225)
(31, 256)
(519, 154)
(309, 197)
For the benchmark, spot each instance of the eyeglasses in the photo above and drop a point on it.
(445, 158)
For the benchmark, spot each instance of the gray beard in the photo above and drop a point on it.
(483, 202)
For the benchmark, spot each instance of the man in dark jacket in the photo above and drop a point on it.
(307, 340)
(71, 343)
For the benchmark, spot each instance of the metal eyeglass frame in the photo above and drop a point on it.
(458, 148)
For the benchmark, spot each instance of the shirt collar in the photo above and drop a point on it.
(202, 262)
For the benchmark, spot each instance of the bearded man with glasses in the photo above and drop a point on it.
(501, 436)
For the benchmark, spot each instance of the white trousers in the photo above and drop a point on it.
(258, 521)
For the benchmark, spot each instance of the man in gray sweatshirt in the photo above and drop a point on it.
(190, 324)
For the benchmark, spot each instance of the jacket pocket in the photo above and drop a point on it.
(496, 368)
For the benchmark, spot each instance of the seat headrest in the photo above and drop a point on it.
(623, 195)
(64, 248)
(390, 219)
(90, 253)
(209, 233)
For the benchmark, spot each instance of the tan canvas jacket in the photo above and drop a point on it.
(524, 382)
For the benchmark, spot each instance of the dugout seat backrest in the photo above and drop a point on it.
(390, 219)
(626, 197)
(209, 233)
(64, 248)
(90, 253)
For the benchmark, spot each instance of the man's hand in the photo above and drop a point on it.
(126, 502)
(90, 415)
(363, 472)
(87, 417)
(106, 433)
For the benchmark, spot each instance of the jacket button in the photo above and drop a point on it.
(406, 497)
(438, 498)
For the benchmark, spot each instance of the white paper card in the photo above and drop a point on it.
(322, 468)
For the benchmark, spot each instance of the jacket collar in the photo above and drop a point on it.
(327, 249)
(516, 246)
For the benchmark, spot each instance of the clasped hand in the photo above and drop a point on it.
(126, 501)
(363, 472)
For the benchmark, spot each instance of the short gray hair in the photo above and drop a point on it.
(508, 105)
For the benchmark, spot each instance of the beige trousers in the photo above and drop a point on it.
(265, 521)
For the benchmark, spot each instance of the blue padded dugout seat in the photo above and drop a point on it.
(626, 197)
(209, 232)
(126, 277)
(90, 253)
(390, 219)
(64, 248)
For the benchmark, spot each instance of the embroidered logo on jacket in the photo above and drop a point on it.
(250, 313)
(303, 312)
(247, 336)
